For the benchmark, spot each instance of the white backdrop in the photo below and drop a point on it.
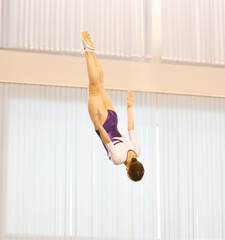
(192, 167)
(56, 180)
(119, 27)
(193, 31)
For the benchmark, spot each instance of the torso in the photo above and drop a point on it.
(110, 125)
(122, 144)
(122, 148)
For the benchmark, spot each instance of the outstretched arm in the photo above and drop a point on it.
(130, 102)
(104, 135)
(132, 136)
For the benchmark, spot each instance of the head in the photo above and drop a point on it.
(135, 170)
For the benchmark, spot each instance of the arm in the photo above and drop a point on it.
(104, 135)
(114, 155)
(130, 102)
(132, 137)
(107, 141)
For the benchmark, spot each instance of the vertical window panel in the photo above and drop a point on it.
(193, 31)
(118, 28)
(56, 179)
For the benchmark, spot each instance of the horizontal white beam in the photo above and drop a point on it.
(148, 76)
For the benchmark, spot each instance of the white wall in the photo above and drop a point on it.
(150, 76)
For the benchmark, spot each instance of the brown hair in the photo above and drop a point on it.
(136, 170)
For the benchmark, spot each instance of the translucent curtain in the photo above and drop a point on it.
(193, 31)
(192, 160)
(56, 179)
(119, 28)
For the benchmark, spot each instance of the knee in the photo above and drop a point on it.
(94, 77)
(95, 89)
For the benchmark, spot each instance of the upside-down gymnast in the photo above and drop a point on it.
(104, 118)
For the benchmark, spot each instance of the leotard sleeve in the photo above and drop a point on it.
(134, 141)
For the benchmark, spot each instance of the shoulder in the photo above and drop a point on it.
(136, 148)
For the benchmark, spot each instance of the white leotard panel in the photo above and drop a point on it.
(117, 150)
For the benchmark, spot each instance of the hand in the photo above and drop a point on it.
(130, 99)
(99, 117)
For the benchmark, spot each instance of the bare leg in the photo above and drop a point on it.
(99, 68)
(93, 72)
(106, 99)
(95, 101)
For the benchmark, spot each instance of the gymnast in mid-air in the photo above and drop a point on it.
(104, 118)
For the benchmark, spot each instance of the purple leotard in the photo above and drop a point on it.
(110, 126)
